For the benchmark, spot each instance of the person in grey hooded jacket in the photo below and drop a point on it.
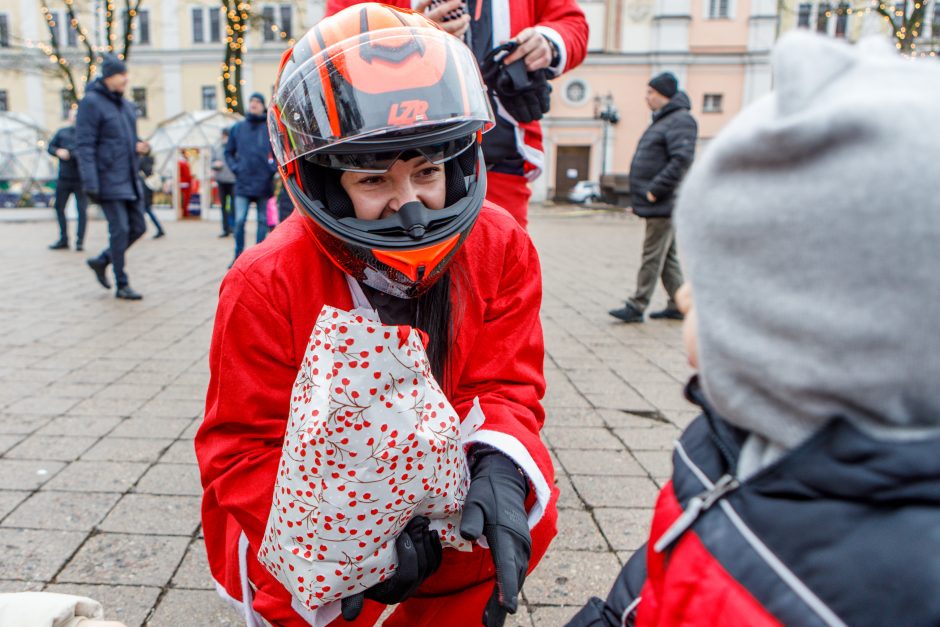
(661, 159)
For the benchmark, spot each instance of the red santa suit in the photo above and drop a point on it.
(513, 150)
(268, 304)
(186, 190)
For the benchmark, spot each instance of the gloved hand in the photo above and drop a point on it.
(495, 508)
(525, 95)
(419, 556)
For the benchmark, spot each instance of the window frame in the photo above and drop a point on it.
(215, 97)
(4, 30)
(4, 99)
(142, 112)
(713, 102)
(198, 34)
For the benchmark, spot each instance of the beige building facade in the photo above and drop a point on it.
(719, 50)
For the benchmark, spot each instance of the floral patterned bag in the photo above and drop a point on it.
(370, 443)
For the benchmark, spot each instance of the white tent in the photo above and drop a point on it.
(194, 132)
(24, 161)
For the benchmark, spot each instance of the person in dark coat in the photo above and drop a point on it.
(146, 170)
(107, 145)
(62, 146)
(662, 158)
(249, 156)
(225, 180)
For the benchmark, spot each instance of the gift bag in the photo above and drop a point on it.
(371, 442)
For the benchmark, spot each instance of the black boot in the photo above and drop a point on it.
(628, 313)
(127, 293)
(62, 244)
(79, 247)
(100, 267)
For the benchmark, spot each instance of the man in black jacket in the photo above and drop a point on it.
(107, 146)
(662, 157)
(62, 146)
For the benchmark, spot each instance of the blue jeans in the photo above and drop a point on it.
(241, 215)
(125, 226)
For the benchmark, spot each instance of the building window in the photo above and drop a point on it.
(71, 35)
(53, 27)
(719, 9)
(935, 22)
(208, 97)
(139, 96)
(712, 103)
(842, 19)
(4, 31)
(803, 16)
(277, 20)
(199, 35)
(822, 20)
(143, 27)
(4, 100)
(65, 99)
(215, 25)
(576, 92)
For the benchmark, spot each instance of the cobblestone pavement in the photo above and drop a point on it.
(100, 400)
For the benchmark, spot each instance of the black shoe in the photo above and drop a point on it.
(628, 313)
(671, 314)
(226, 234)
(127, 293)
(60, 245)
(100, 268)
(79, 247)
(159, 234)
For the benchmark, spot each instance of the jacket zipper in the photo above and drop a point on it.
(697, 505)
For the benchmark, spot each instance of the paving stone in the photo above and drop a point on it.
(127, 604)
(7, 442)
(13, 424)
(570, 578)
(194, 607)
(151, 514)
(625, 529)
(41, 406)
(9, 499)
(151, 428)
(126, 559)
(61, 448)
(34, 554)
(148, 378)
(129, 390)
(567, 497)
(602, 491)
(17, 474)
(62, 510)
(600, 463)
(580, 438)
(79, 426)
(194, 571)
(15, 585)
(577, 531)
(572, 417)
(127, 449)
(190, 432)
(547, 615)
(107, 407)
(83, 476)
(167, 408)
(180, 452)
(183, 392)
(656, 439)
(657, 463)
(521, 618)
(618, 419)
(90, 374)
(171, 479)
(72, 390)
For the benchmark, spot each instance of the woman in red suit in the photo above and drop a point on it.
(377, 125)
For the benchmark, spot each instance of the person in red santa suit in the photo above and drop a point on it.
(377, 124)
(552, 36)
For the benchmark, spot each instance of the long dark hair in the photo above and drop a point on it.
(433, 315)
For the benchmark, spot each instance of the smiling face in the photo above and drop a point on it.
(377, 196)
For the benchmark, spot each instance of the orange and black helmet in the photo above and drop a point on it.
(357, 91)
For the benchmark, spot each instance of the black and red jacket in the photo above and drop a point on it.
(843, 530)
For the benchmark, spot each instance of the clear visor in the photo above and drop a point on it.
(387, 81)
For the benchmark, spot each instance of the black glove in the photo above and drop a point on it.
(495, 508)
(525, 95)
(419, 556)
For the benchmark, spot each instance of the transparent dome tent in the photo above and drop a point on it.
(190, 136)
(26, 169)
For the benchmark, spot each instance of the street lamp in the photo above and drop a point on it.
(605, 110)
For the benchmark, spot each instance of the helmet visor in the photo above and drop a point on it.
(380, 162)
(386, 81)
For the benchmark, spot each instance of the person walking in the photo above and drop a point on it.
(107, 147)
(62, 146)
(662, 158)
(248, 155)
(146, 171)
(225, 180)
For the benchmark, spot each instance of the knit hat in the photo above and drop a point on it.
(666, 83)
(257, 96)
(809, 230)
(111, 65)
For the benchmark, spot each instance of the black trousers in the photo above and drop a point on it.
(63, 190)
(125, 226)
(227, 200)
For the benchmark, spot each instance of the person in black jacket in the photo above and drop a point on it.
(146, 171)
(62, 146)
(662, 157)
(249, 156)
(106, 136)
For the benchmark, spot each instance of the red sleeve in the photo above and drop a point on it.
(565, 18)
(504, 369)
(238, 446)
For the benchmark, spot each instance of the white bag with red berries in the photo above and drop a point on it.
(371, 442)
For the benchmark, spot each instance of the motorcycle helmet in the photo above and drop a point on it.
(360, 90)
